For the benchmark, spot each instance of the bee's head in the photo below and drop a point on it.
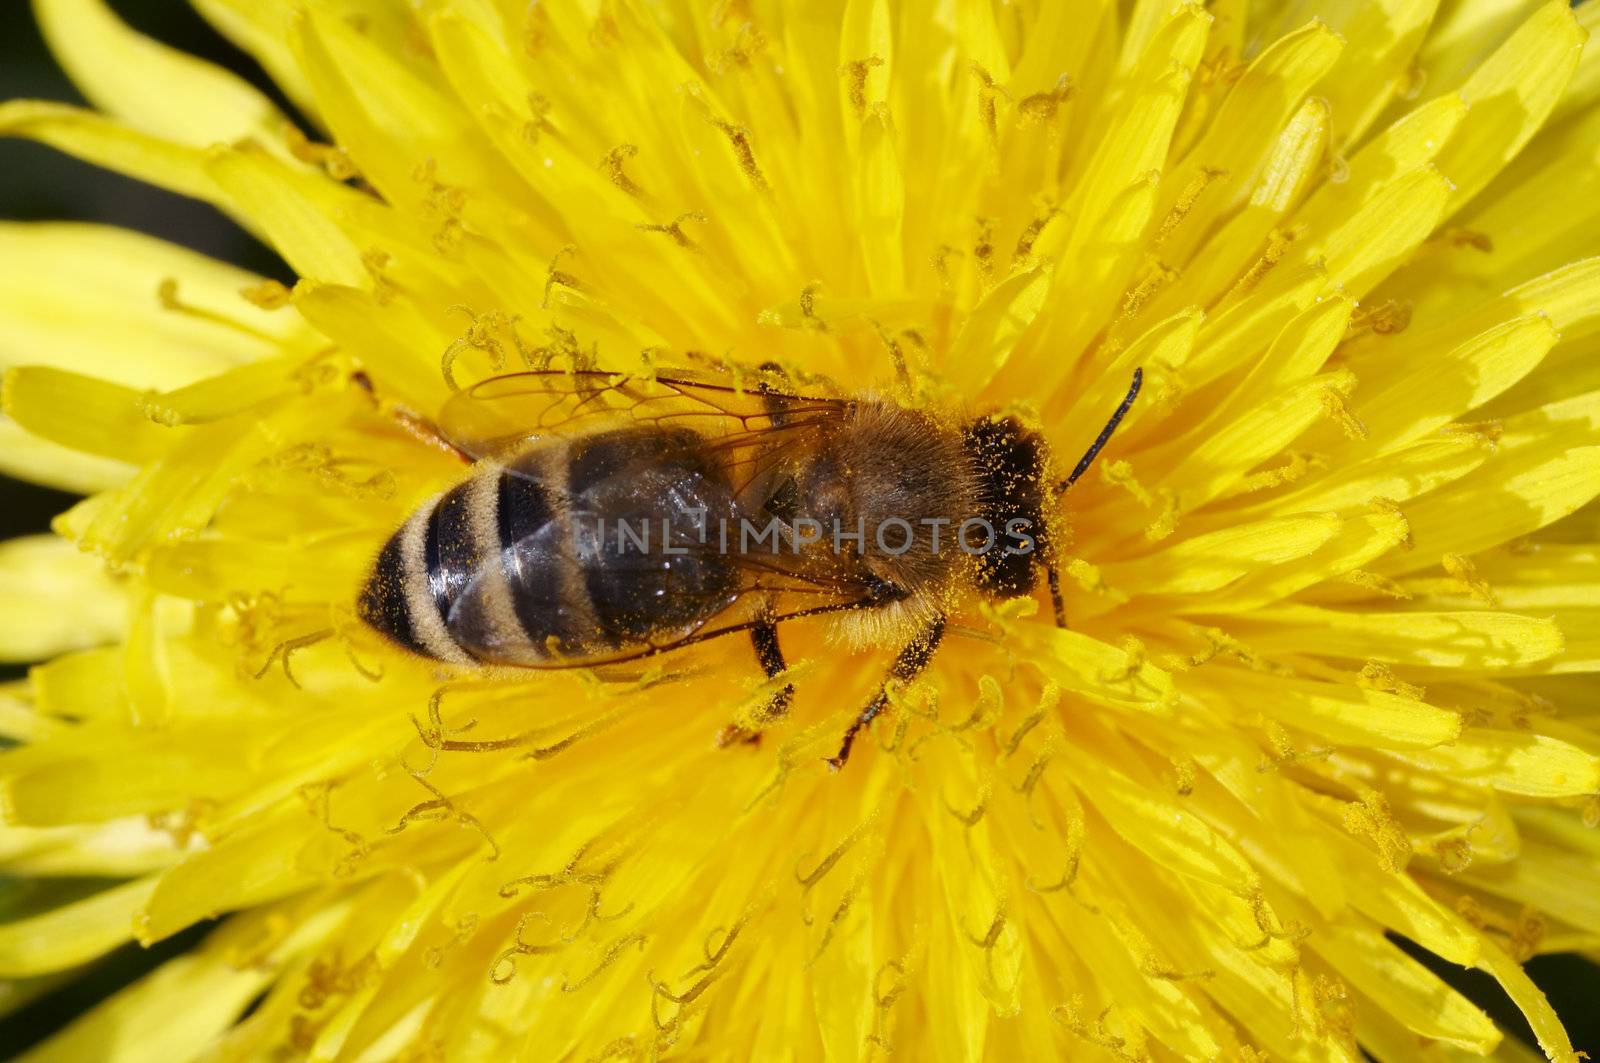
(1010, 461)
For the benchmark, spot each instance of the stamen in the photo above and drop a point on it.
(167, 295)
(604, 32)
(1454, 853)
(855, 72)
(834, 921)
(535, 29)
(1283, 753)
(481, 335)
(674, 229)
(988, 93)
(1166, 521)
(726, 11)
(885, 1000)
(941, 264)
(1388, 318)
(807, 881)
(1375, 675)
(1466, 573)
(1389, 507)
(442, 201)
(616, 950)
(1370, 816)
(612, 164)
(268, 295)
(1220, 69)
(1157, 276)
(739, 140)
(1099, 1034)
(1299, 463)
(968, 819)
(1186, 201)
(504, 967)
(1335, 404)
(449, 807)
(1484, 434)
(1461, 240)
(983, 247)
(1372, 581)
(1041, 107)
(1030, 235)
(1187, 772)
(538, 124)
(285, 650)
(742, 53)
(1015, 741)
(1069, 873)
(555, 276)
(1278, 243)
(318, 797)
(334, 160)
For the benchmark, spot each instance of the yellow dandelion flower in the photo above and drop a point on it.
(1328, 679)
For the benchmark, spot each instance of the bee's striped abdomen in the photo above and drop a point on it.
(485, 571)
(423, 569)
(383, 603)
(523, 563)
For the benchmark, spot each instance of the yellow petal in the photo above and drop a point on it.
(1515, 762)
(158, 90)
(92, 138)
(262, 31)
(72, 934)
(167, 316)
(299, 212)
(84, 413)
(1510, 95)
(1546, 467)
(1463, 641)
(172, 1013)
(1211, 562)
(1342, 714)
(1383, 39)
(1243, 134)
(119, 849)
(1398, 475)
(1463, 34)
(1530, 1000)
(1550, 878)
(1410, 400)
(1384, 231)
(1414, 995)
(992, 330)
(24, 456)
(1359, 542)
(1169, 835)
(54, 599)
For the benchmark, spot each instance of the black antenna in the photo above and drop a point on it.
(1105, 433)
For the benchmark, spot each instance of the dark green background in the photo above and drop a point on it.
(36, 182)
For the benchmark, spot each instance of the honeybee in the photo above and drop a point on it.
(609, 518)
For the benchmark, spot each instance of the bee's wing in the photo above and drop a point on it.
(765, 589)
(498, 415)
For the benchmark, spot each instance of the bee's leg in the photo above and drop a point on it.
(907, 665)
(764, 637)
(416, 425)
(1053, 577)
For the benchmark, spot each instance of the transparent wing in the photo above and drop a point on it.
(501, 414)
(767, 590)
